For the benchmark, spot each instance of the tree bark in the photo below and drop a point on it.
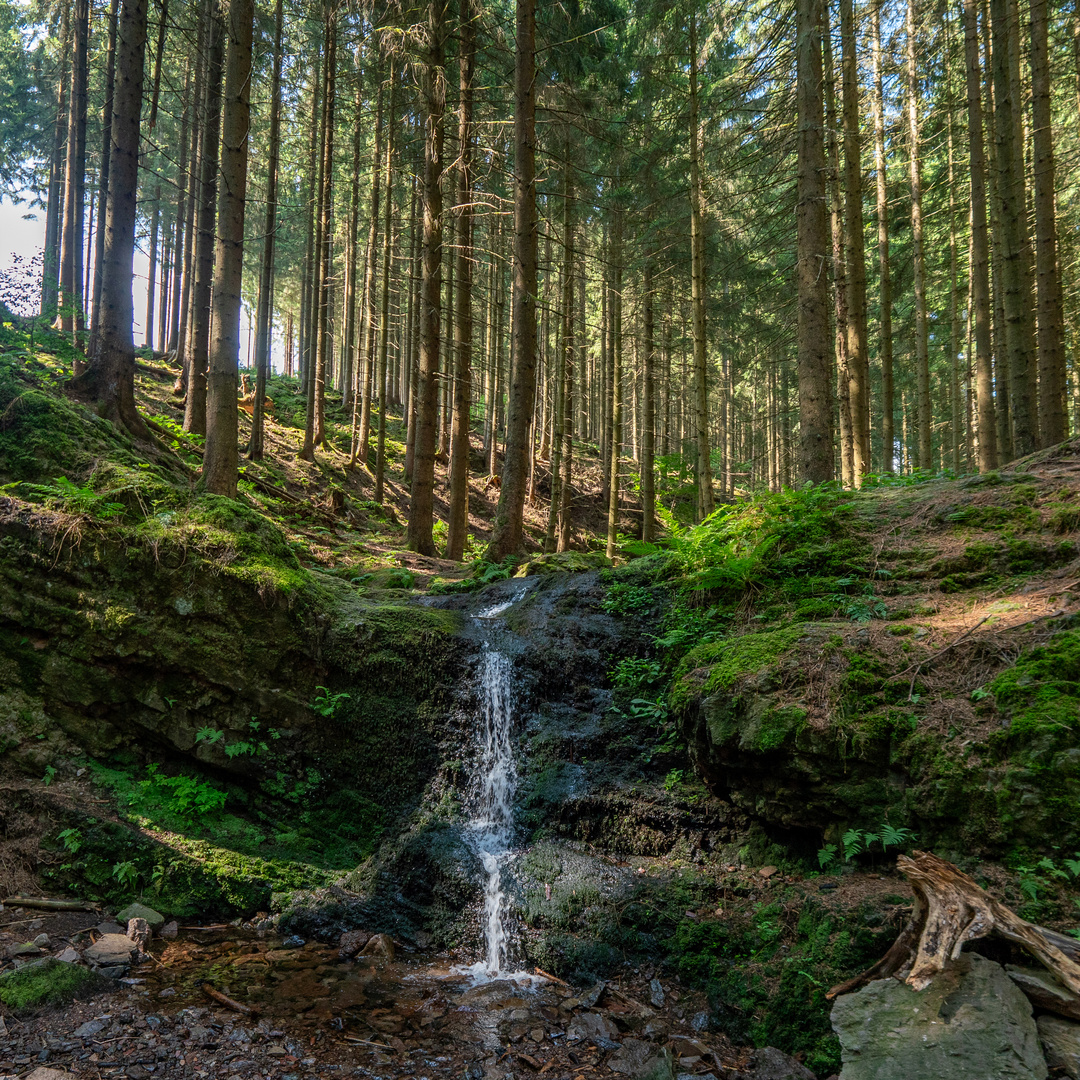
(219, 474)
(198, 342)
(103, 171)
(888, 402)
(433, 90)
(384, 312)
(922, 346)
(71, 243)
(54, 214)
(265, 313)
(109, 380)
(648, 422)
(1053, 419)
(980, 247)
(705, 502)
(508, 529)
(458, 522)
(815, 407)
(615, 359)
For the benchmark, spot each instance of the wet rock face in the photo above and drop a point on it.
(971, 1023)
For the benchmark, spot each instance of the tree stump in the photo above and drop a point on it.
(949, 910)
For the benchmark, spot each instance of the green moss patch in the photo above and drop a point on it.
(48, 982)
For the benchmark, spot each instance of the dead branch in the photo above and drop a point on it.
(228, 1002)
(950, 909)
(48, 904)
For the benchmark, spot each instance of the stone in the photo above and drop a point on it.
(381, 946)
(140, 911)
(351, 942)
(293, 941)
(22, 952)
(44, 1073)
(170, 930)
(971, 1023)
(642, 1060)
(767, 871)
(42, 941)
(69, 956)
(109, 928)
(773, 1064)
(89, 1029)
(656, 994)
(1044, 990)
(1061, 1043)
(591, 997)
(592, 1027)
(110, 950)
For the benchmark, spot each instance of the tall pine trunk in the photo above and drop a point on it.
(219, 474)
(508, 530)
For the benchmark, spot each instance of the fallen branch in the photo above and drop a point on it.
(949, 910)
(48, 904)
(368, 1042)
(551, 978)
(228, 1002)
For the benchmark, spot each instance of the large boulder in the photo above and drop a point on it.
(971, 1023)
(1061, 1041)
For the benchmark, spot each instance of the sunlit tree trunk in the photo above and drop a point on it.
(219, 474)
(103, 174)
(71, 243)
(384, 312)
(508, 529)
(815, 407)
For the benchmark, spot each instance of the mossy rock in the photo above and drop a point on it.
(47, 982)
(570, 562)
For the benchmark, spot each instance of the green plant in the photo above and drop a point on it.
(184, 796)
(859, 841)
(50, 775)
(327, 704)
(674, 779)
(624, 598)
(72, 840)
(126, 874)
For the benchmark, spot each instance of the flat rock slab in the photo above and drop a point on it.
(773, 1064)
(971, 1023)
(593, 1027)
(1061, 1041)
(110, 950)
(43, 1073)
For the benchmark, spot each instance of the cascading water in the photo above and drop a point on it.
(491, 830)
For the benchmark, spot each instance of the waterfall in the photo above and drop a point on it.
(490, 832)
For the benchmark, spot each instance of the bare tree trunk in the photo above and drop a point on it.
(858, 355)
(458, 523)
(1012, 203)
(198, 343)
(71, 244)
(306, 355)
(615, 360)
(219, 474)
(508, 531)
(103, 172)
(352, 244)
(265, 314)
(151, 282)
(568, 345)
(1053, 419)
(172, 330)
(54, 214)
(705, 503)
(922, 347)
(433, 89)
(815, 407)
(109, 380)
(648, 423)
(888, 402)
(384, 313)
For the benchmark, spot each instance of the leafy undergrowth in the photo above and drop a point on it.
(192, 845)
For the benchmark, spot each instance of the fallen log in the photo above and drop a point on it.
(950, 909)
(47, 903)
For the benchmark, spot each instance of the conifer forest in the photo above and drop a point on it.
(539, 539)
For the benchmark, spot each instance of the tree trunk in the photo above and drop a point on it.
(568, 346)
(922, 347)
(1012, 203)
(705, 502)
(103, 172)
(305, 357)
(615, 360)
(648, 422)
(54, 214)
(265, 314)
(458, 522)
(198, 343)
(508, 529)
(151, 281)
(980, 247)
(323, 296)
(815, 407)
(433, 89)
(888, 402)
(384, 313)
(109, 380)
(352, 243)
(71, 244)
(219, 474)
(857, 338)
(1053, 419)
